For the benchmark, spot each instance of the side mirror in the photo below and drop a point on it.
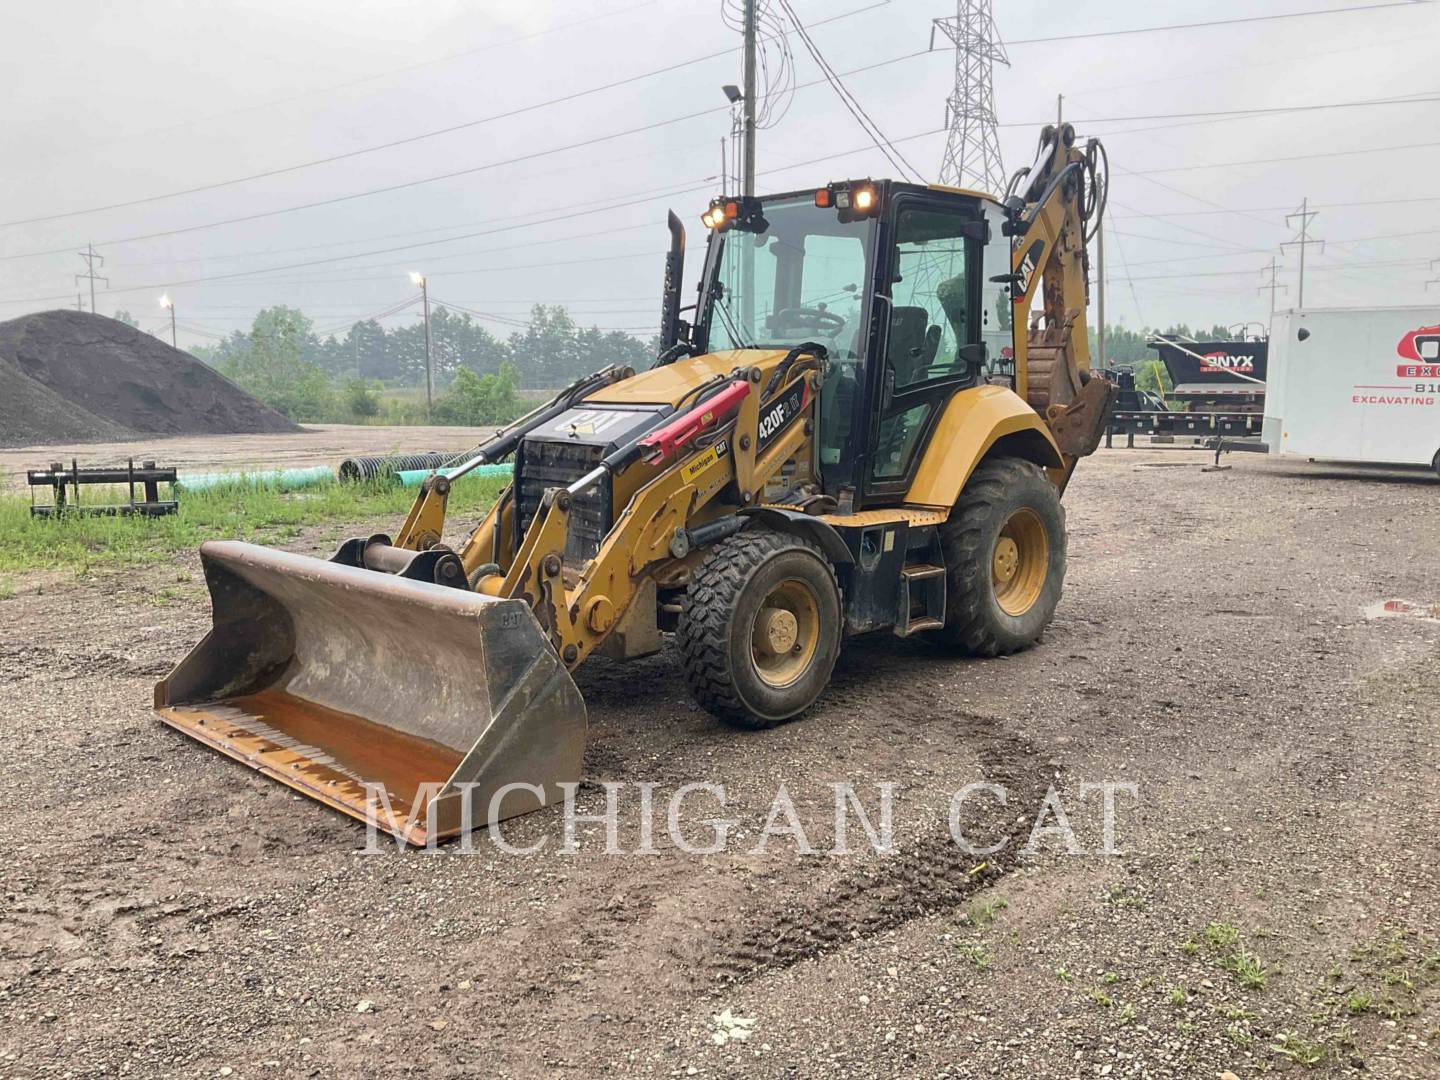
(973, 355)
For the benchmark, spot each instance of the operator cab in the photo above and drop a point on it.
(894, 281)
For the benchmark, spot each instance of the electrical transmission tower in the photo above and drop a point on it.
(1303, 241)
(972, 152)
(1273, 285)
(92, 260)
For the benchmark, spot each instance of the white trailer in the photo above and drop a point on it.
(1355, 384)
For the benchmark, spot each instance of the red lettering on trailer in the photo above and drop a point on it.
(1418, 371)
(1385, 399)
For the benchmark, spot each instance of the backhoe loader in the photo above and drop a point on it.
(860, 426)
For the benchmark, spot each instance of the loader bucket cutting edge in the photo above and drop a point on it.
(336, 680)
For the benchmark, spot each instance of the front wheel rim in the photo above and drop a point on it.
(1020, 562)
(785, 635)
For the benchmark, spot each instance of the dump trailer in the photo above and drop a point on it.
(865, 424)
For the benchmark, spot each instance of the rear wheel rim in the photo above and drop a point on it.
(1020, 563)
(786, 633)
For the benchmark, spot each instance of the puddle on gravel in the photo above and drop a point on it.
(1402, 609)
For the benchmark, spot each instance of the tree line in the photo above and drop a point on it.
(477, 375)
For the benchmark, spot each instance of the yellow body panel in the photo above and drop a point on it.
(974, 420)
(963, 191)
(670, 384)
(886, 517)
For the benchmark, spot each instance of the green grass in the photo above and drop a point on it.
(1227, 951)
(261, 514)
(976, 953)
(1219, 935)
(1301, 1050)
(982, 914)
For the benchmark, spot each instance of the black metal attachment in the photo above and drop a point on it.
(66, 484)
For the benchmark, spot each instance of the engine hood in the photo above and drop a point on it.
(668, 385)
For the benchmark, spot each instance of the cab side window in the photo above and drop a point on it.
(935, 263)
(931, 316)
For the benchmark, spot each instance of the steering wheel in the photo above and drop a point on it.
(809, 320)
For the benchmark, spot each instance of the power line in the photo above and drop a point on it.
(1190, 195)
(585, 209)
(419, 137)
(1217, 114)
(1336, 268)
(851, 102)
(312, 94)
(582, 144)
(1261, 209)
(1214, 22)
(1281, 160)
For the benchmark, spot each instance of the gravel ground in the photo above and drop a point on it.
(1272, 907)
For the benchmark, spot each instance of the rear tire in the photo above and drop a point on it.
(1004, 551)
(760, 628)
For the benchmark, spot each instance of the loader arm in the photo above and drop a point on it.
(721, 456)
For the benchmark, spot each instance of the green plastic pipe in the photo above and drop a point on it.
(284, 478)
(415, 477)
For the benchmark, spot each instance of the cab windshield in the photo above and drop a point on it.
(802, 279)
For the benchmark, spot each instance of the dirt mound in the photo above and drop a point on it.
(32, 413)
(76, 376)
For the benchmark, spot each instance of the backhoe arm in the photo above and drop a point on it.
(1050, 222)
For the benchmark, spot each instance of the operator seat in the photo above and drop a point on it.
(906, 344)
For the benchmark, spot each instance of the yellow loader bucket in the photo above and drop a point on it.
(392, 700)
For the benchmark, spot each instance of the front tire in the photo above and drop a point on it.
(1004, 549)
(760, 628)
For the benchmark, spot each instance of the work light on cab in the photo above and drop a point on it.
(853, 200)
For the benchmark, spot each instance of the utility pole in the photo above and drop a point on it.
(1273, 269)
(424, 283)
(79, 304)
(748, 187)
(1304, 241)
(1100, 276)
(92, 259)
(166, 302)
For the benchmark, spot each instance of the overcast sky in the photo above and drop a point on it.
(109, 102)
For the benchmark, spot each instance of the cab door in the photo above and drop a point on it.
(927, 313)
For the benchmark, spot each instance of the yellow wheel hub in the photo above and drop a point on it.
(1021, 562)
(786, 633)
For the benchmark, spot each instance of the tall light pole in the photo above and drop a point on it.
(166, 302)
(417, 278)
